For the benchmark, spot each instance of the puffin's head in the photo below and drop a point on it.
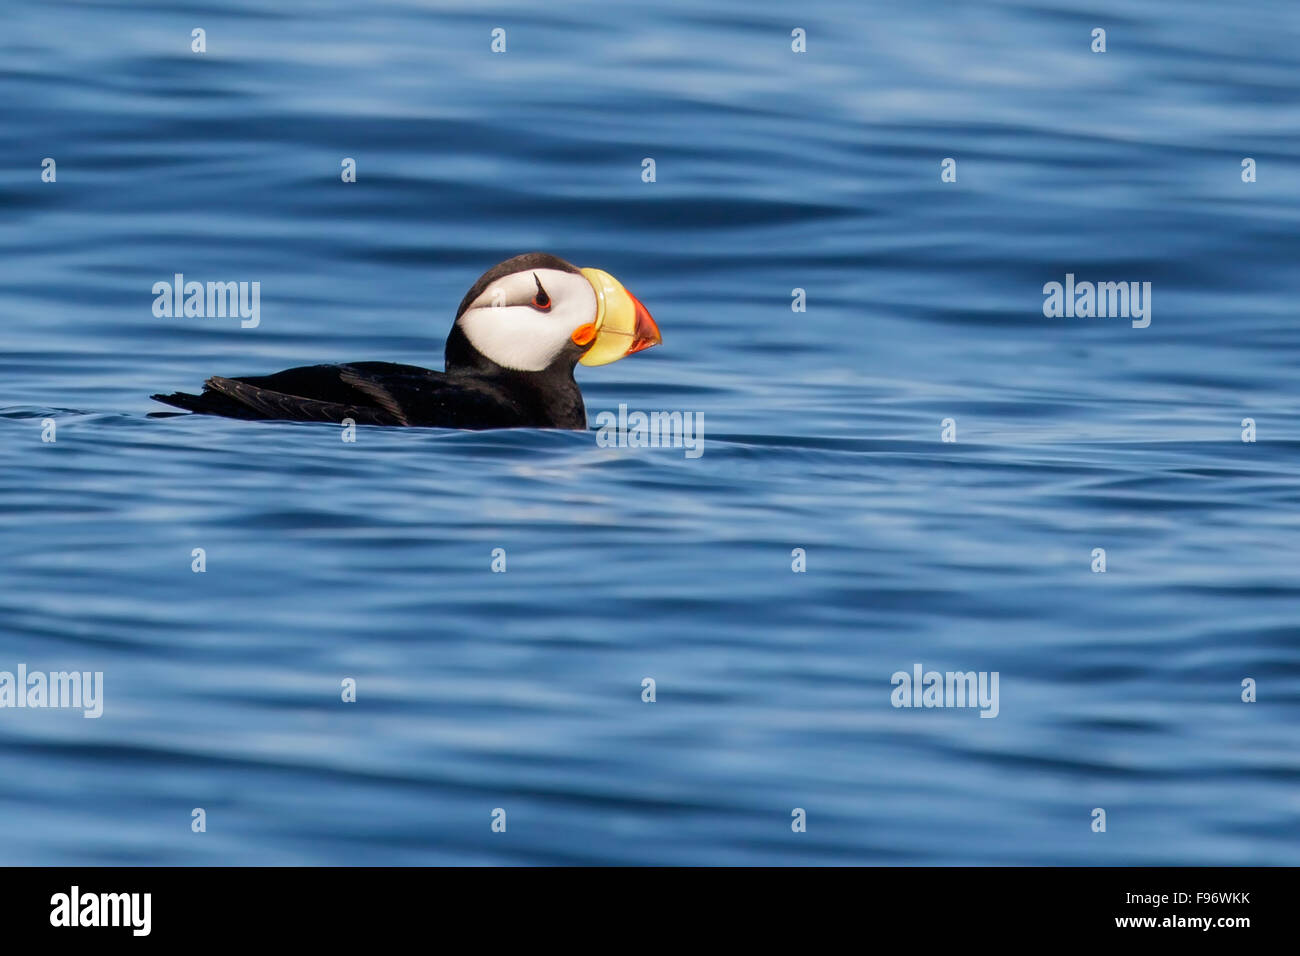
(536, 312)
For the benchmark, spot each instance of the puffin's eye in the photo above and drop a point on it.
(541, 300)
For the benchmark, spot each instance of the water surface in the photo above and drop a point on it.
(775, 171)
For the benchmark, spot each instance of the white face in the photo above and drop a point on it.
(506, 325)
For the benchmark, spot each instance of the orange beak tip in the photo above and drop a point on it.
(647, 334)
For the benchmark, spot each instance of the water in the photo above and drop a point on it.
(775, 171)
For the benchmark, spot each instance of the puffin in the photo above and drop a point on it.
(519, 333)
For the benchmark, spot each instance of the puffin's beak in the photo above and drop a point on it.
(622, 324)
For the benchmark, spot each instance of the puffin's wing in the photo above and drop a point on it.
(312, 393)
(370, 393)
(299, 408)
(418, 396)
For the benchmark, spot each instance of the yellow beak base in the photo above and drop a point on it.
(623, 325)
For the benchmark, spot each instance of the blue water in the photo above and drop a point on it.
(775, 170)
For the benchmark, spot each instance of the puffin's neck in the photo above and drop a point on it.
(460, 356)
(552, 393)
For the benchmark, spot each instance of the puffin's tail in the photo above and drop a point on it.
(191, 403)
(209, 403)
